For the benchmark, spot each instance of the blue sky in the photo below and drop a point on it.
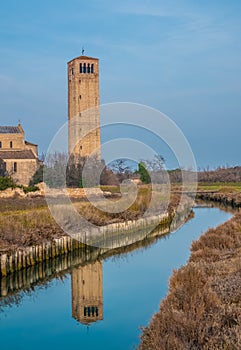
(181, 57)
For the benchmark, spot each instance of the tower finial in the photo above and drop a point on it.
(83, 51)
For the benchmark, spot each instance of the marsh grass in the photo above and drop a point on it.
(27, 221)
(220, 186)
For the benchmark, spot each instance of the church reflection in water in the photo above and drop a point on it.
(87, 294)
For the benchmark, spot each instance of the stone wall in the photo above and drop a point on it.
(32, 147)
(17, 141)
(20, 157)
(25, 169)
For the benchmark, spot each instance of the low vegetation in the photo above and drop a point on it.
(7, 182)
(220, 186)
(28, 221)
(229, 194)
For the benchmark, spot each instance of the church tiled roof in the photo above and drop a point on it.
(9, 130)
(12, 154)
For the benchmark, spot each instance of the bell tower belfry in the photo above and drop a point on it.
(83, 106)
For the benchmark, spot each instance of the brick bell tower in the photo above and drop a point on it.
(87, 293)
(83, 106)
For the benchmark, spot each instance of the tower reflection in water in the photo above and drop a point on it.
(87, 295)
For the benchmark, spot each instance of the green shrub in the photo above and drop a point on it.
(30, 189)
(145, 177)
(6, 182)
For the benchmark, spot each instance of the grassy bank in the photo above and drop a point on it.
(203, 307)
(26, 221)
(223, 193)
(220, 186)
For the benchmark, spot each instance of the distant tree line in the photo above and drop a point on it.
(220, 174)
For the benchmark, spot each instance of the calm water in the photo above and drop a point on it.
(120, 294)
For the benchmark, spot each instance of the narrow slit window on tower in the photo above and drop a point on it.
(11, 144)
(80, 68)
(88, 68)
(72, 71)
(15, 167)
(92, 68)
(80, 97)
(84, 67)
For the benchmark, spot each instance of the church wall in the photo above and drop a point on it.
(25, 169)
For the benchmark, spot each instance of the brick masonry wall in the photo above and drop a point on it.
(16, 139)
(21, 170)
(26, 168)
(83, 95)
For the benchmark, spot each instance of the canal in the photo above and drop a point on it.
(103, 304)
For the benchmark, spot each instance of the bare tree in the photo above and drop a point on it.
(121, 169)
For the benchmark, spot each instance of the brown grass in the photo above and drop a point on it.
(224, 196)
(26, 221)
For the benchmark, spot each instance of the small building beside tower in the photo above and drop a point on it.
(18, 158)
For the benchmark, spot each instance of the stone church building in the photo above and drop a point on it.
(18, 158)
